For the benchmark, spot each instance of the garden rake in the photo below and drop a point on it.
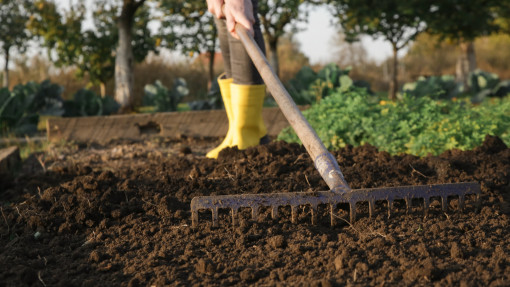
(327, 166)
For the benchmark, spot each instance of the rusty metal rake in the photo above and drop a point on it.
(325, 163)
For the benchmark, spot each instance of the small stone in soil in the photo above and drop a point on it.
(95, 256)
(205, 266)
(456, 251)
(339, 264)
(248, 275)
(277, 241)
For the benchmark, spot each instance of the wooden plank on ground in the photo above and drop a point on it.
(10, 160)
(103, 129)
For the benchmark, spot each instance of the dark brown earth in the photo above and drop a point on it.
(119, 215)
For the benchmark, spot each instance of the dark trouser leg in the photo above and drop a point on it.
(238, 64)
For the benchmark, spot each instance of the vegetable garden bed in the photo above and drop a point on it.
(118, 215)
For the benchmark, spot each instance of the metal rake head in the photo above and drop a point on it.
(352, 197)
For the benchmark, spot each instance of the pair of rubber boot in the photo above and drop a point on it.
(243, 104)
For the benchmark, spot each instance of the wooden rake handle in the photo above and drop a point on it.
(324, 161)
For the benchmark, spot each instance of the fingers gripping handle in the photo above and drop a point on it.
(325, 163)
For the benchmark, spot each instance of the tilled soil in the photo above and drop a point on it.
(119, 215)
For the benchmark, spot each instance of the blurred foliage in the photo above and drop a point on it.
(90, 51)
(437, 87)
(290, 57)
(429, 56)
(491, 51)
(164, 99)
(186, 25)
(14, 15)
(213, 100)
(481, 85)
(20, 108)
(462, 20)
(275, 16)
(309, 87)
(398, 22)
(88, 103)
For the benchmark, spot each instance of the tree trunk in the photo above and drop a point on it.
(466, 63)
(124, 59)
(102, 86)
(273, 59)
(392, 94)
(6, 69)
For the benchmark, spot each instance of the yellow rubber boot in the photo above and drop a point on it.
(226, 97)
(247, 102)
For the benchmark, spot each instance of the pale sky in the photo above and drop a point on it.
(316, 39)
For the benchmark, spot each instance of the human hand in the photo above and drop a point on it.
(214, 6)
(239, 11)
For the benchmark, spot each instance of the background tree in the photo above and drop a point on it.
(14, 15)
(100, 53)
(398, 22)
(188, 27)
(274, 16)
(463, 22)
(91, 51)
(124, 57)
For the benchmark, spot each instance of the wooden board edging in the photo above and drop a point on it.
(103, 129)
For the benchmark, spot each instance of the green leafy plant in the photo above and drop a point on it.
(162, 98)
(483, 84)
(213, 99)
(308, 87)
(418, 126)
(439, 87)
(87, 103)
(21, 107)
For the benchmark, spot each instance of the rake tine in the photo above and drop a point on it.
(408, 205)
(293, 209)
(234, 217)
(194, 218)
(274, 212)
(332, 213)
(214, 217)
(352, 212)
(313, 210)
(426, 203)
(371, 208)
(255, 212)
(462, 203)
(444, 203)
(478, 202)
(390, 207)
